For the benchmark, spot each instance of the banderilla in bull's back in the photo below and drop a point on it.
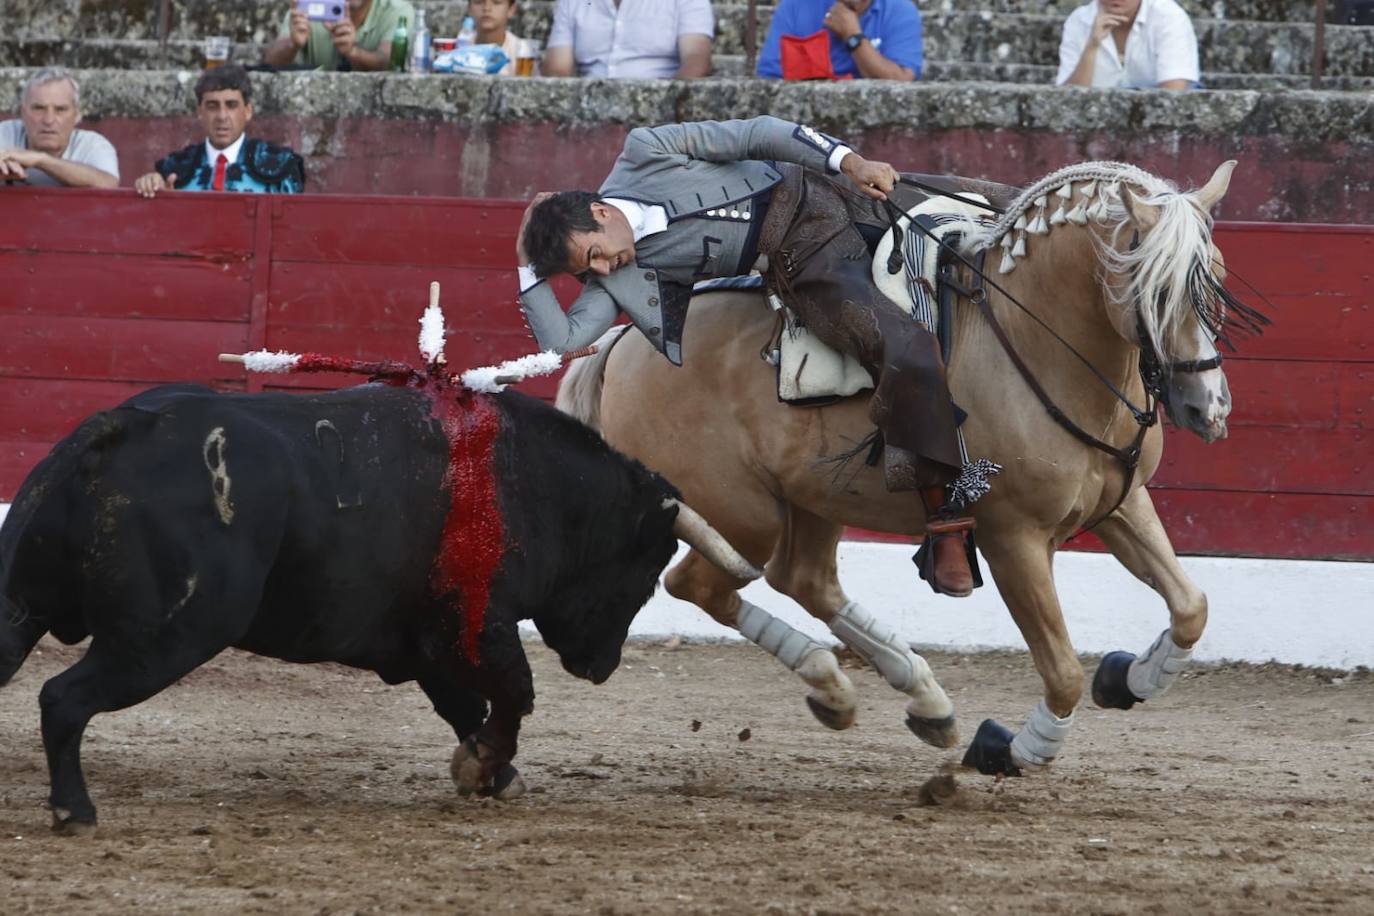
(488, 379)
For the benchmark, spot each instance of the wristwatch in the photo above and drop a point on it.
(853, 41)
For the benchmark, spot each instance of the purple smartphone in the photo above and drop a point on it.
(322, 10)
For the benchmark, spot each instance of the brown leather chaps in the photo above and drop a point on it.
(820, 266)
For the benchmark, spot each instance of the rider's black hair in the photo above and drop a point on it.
(551, 226)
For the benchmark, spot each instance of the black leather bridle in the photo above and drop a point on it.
(1153, 373)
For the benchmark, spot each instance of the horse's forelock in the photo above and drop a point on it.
(1163, 266)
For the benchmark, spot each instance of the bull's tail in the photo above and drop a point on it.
(28, 537)
(19, 633)
(579, 393)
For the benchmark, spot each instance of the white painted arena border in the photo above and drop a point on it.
(1293, 611)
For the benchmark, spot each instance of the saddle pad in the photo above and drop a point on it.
(914, 288)
(809, 369)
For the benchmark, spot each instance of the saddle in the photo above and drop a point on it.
(811, 373)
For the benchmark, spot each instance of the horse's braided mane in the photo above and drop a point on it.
(1103, 176)
(1171, 267)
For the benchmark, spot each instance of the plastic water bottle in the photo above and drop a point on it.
(420, 45)
(400, 44)
(467, 35)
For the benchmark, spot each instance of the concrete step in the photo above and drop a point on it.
(115, 54)
(1259, 10)
(1231, 47)
(259, 20)
(1258, 48)
(186, 55)
(731, 66)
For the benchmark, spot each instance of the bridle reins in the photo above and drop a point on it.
(1153, 372)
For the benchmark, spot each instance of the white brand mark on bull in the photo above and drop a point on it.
(218, 466)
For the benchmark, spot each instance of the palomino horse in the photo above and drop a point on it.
(1122, 273)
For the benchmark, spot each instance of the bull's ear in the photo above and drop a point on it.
(1142, 215)
(1215, 189)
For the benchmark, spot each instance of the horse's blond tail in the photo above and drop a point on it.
(579, 393)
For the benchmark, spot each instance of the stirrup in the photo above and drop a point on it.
(936, 527)
(938, 530)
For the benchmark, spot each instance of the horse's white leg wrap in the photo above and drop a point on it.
(791, 646)
(1155, 672)
(814, 663)
(880, 646)
(1040, 739)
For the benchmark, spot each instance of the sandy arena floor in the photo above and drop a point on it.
(695, 781)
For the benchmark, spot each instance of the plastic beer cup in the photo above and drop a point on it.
(216, 51)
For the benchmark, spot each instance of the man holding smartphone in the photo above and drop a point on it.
(338, 34)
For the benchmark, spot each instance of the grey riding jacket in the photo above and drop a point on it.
(709, 177)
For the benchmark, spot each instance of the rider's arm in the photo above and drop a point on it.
(731, 141)
(591, 314)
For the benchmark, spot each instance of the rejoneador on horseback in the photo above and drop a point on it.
(691, 202)
(1097, 293)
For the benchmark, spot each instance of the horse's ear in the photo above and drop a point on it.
(1215, 188)
(1143, 215)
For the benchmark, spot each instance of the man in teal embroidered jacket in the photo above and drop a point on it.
(227, 160)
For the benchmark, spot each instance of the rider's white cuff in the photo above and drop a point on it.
(528, 278)
(836, 157)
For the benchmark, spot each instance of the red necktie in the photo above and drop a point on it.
(220, 165)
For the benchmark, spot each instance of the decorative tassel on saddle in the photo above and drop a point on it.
(973, 482)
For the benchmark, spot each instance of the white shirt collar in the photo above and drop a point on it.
(231, 152)
(644, 219)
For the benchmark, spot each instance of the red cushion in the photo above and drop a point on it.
(807, 58)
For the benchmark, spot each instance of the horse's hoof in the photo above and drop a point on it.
(466, 767)
(838, 719)
(1109, 683)
(990, 752)
(507, 785)
(935, 732)
(65, 823)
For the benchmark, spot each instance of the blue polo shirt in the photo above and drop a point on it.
(893, 27)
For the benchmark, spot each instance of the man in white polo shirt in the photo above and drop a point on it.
(43, 145)
(1129, 44)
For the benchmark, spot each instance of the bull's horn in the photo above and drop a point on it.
(707, 541)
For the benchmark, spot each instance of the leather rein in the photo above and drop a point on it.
(1153, 371)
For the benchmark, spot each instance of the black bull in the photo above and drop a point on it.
(397, 530)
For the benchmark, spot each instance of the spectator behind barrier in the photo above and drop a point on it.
(1129, 44)
(43, 147)
(873, 39)
(640, 39)
(359, 41)
(491, 17)
(226, 160)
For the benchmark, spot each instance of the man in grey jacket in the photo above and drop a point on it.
(687, 202)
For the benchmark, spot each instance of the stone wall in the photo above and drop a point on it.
(253, 20)
(1230, 45)
(1304, 155)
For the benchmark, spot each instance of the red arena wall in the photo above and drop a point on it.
(103, 294)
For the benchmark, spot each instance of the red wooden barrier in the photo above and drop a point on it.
(104, 293)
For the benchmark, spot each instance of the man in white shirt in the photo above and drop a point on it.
(631, 39)
(1129, 44)
(43, 147)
